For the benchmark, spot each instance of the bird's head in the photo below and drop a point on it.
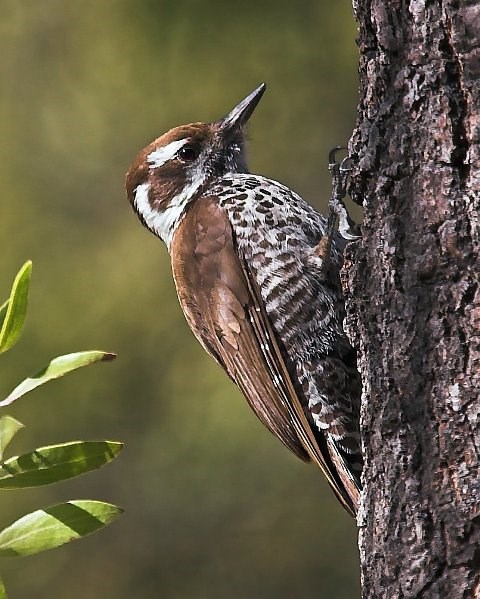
(175, 168)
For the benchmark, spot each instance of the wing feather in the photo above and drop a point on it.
(224, 308)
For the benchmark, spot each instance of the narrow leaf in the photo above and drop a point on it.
(55, 526)
(56, 368)
(9, 427)
(3, 313)
(47, 465)
(16, 308)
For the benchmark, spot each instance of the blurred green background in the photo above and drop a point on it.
(215, 506)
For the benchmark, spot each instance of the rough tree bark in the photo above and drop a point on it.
(413, 296)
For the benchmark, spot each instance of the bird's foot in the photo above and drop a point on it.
(336, 210)
(336, 206)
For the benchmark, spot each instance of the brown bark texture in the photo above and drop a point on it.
(413, 296)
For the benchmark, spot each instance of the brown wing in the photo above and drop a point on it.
(224, 309)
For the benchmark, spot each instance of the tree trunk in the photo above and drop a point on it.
(413, 297)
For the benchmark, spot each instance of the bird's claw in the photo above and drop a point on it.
(346, 165)
(332, 155)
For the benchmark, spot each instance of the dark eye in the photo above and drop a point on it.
(188, 153)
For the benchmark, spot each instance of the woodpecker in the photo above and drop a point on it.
(257, 290)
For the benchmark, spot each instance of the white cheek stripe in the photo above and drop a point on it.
(160, 223)
(163, 224)
(162, 155)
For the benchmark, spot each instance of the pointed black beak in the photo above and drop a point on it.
(238, 117)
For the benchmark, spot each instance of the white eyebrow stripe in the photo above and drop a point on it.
(162, 155)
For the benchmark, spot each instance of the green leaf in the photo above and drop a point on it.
(16, 308)
(3, 313)
(3, 592)
(55, 526)
(56, 368)
(51, 464)
(9, 427)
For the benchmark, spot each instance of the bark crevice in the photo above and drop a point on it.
(458, 102)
